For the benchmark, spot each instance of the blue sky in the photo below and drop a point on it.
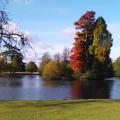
(50, 22)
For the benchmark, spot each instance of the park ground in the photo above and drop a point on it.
(60, 110)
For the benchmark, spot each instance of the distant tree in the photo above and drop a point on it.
(12, 67)
(31, 67)
(44, 60)
(66, 55)
(52, 70)
(116, 66)
(46, 57)
(57, 57)
(2, 63)
(15, 57)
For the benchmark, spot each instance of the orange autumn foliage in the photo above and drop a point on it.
(77, 54)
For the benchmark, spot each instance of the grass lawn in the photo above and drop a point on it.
(60, 110)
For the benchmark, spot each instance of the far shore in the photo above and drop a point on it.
(18, 73)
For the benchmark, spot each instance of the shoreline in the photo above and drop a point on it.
(19, 73)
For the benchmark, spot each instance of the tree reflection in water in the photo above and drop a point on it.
(11, 81)
(91, 89)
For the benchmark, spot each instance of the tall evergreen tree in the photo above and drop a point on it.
(102, 44)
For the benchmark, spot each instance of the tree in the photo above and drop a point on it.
(2, 63)
(12, 67)
(13, 54)
(66, 55)
(116, 66)
(91, 49)
(10, 38)
(80, 58)
(86, 25)
(77, 58)
(52, 70)
(11, 42)
(31, 67)
(44, 60)
(57, 57)
(102, 43)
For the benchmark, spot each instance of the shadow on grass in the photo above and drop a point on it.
(49, 103)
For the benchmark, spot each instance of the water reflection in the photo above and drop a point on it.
(33, 87)
(91, 89)
(32, 81)
(10, 81)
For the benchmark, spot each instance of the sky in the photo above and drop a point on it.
(49, 23)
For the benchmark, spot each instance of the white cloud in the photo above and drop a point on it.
(38, 48)
(69, 31)
(12, 27)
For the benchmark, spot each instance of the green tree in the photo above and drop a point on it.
(15, 57)
(31, 67)
(44, 60)
(52, 70)
(2, 63)
(102, 44)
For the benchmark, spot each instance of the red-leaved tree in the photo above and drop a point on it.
(80, 58)
(77, 58)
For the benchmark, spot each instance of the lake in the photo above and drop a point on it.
(33, 87)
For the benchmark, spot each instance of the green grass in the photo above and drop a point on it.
(60, 110)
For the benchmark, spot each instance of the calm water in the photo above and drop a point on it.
(33, 87)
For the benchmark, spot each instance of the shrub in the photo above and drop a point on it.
(31, 67)
(52, 70)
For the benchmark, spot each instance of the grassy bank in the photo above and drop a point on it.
(60, 110)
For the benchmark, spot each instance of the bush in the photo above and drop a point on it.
(41, 66)
(52, 70)
(88, 75)
(2, 64)
(31, 67)
(67, 71)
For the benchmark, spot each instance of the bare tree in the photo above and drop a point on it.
(11, 39)
(57, 57)
(66, 54)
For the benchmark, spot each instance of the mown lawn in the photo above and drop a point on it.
(60, 110)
